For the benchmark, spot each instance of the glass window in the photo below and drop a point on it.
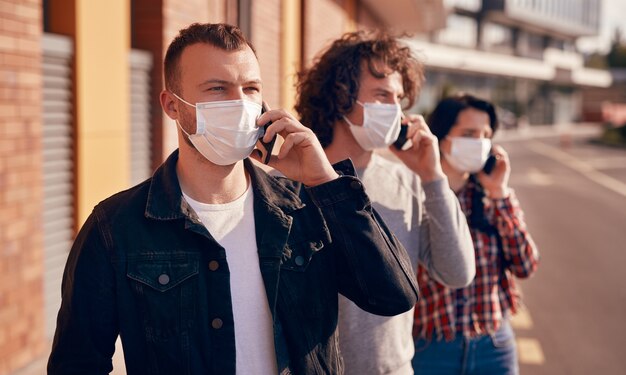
(497, 38)
(459, 31)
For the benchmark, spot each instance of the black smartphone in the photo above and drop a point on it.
(265, 147)
(490, 164)
(402, 137)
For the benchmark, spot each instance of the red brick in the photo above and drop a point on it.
(7, 111)
(28, 12)
(28, 45)
(8, 43)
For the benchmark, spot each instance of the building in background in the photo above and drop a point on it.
(80, 118)
(520, 54)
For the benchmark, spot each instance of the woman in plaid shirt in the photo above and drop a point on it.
(467, 330)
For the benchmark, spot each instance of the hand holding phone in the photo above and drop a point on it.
(265, 148)
(402, 137)
(490, 164)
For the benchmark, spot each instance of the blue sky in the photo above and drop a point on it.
(613, 15)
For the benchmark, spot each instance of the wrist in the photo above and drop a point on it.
(322, 180)
(498, 193)
(431, 176)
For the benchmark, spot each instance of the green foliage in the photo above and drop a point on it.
(597, 61)
(614, 136)
(616, 58)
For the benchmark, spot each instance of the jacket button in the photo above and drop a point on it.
(299, 260)
(164, 279)
(355, 185)
(217, 323)
(214, 265)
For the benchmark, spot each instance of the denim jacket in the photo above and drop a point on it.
(144, 267)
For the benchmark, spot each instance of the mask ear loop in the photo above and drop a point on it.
(181, 128)
(189, 104)
(183, 100)
(346, 119)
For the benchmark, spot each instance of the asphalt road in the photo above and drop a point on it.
(574, 199)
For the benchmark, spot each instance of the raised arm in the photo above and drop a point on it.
(374, 269)
(520, 252)
(446, 247)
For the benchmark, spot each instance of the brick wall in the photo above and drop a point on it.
(21, 246)
(266, 29)
(324, 21)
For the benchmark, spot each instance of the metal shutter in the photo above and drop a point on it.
(58, 199)
(140, 137)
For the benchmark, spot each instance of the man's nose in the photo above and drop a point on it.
(237, 94)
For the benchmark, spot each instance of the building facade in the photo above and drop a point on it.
(519, 53)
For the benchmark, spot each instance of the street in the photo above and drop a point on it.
(573, 193)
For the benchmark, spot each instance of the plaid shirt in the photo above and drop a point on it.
(479, 308)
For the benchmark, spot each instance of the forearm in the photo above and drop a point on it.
(519, 250)
(374, 269)
(447, 248)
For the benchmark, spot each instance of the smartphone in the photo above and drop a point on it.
(265, 147)
(402, 138)
(490, 164)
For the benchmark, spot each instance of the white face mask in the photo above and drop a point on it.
(226, 131)
(468, 154)
(381, 125)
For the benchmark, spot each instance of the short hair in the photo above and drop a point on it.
(221, 35)
(329, 89)
(446, 113)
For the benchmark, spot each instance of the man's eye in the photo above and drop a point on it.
(252, 88)
(216, 88)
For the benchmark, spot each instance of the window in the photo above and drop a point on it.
(459, 31)
(497, 38)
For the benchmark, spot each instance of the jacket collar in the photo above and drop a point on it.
(165, 198)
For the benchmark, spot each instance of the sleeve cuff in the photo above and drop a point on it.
(346, 187)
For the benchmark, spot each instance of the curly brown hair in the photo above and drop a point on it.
(329, 89)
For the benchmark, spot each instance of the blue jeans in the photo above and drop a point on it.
(484, 355)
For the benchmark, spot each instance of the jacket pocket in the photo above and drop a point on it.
(165, 290)
(298, 255)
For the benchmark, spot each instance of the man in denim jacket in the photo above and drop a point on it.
(214, 267)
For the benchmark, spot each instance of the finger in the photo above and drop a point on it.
(414, 118)
(273, 116)
(420, 134)
(284, 127)
(500, 153)
(291, 140)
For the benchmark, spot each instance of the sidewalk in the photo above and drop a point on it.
(543, 131)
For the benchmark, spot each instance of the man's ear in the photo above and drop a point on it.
(168, 103)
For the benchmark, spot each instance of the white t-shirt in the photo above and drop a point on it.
(232, 226)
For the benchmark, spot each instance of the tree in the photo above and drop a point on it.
(616, 58)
